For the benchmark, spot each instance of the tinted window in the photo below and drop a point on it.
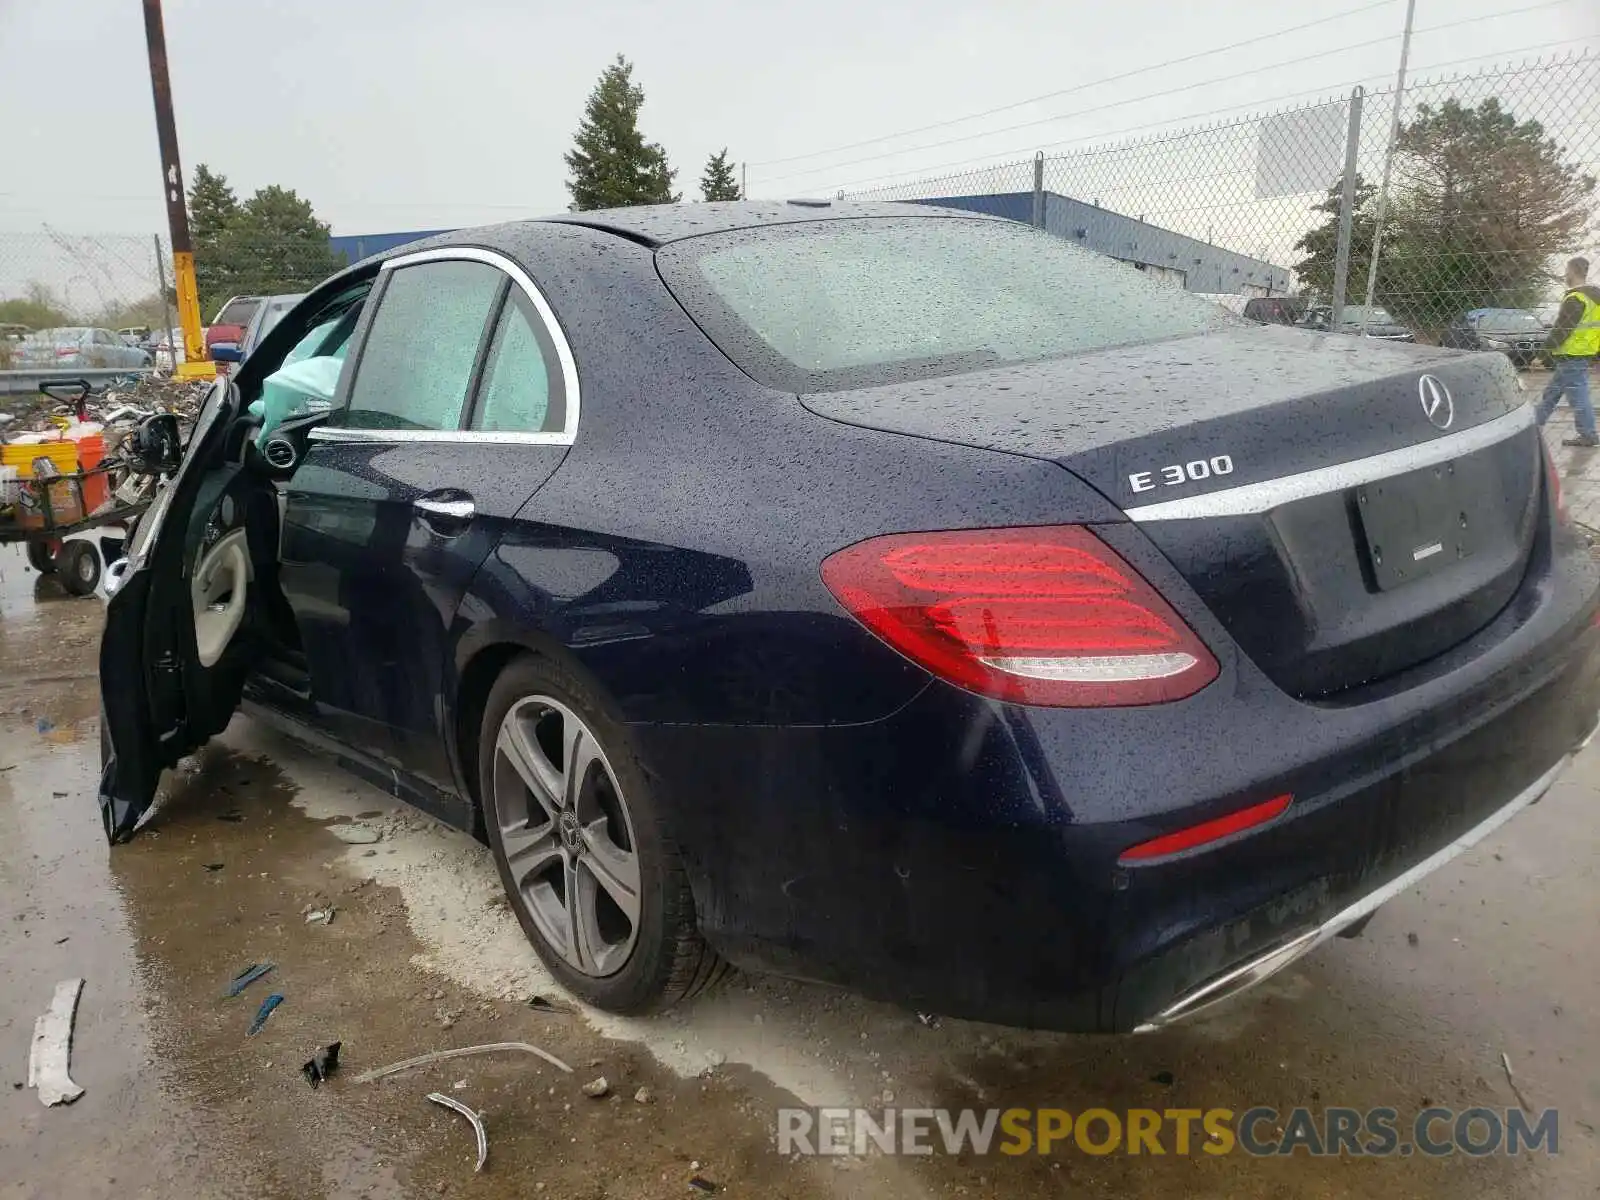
(236, 312)
(417, 361)
(834, 304)
(517, 393)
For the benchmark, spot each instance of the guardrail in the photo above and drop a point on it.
(21, 382)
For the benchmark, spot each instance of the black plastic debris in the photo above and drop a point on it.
(701, 1184)
(214, 866)
(247, 976)
(540, 1004)
(322, 1064)
(230, 815)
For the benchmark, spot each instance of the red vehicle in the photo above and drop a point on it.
(230, 323)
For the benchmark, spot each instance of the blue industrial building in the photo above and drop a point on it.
(356, 246)
(1182, 260)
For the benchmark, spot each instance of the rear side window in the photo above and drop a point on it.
(827, 305)
(416, 363)
(517, 394)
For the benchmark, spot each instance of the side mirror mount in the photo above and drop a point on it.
(156, 446)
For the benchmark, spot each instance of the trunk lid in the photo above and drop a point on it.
(1337, 434)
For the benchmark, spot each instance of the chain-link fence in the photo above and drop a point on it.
(93, 279)
(123, 282)
(50, 279)
(1491, 186)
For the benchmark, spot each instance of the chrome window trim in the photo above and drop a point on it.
(566, 436)
(323, 433)
(1252, 498)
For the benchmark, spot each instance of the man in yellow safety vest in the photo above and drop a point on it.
(1574, 342)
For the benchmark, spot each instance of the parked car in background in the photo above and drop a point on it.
(267, 315)
(228, 327)
(1518, 333)
(167, 348)
(1275, 310)
(763, 582)
(1375, 322)
(78, 346)
(14, 333)
(136, 335)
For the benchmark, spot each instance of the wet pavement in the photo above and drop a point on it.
(1496, 954)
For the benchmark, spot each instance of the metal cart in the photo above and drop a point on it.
(54, 513)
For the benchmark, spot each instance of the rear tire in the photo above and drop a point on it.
(79, 567)
(41, 558)
(567, 848)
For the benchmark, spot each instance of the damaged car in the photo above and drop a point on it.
(894, 597)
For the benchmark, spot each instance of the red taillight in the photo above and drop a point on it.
(1207, 831)
(1048, 615)
(1558, 499)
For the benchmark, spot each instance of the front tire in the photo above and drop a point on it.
(582, 845)
(41, 557)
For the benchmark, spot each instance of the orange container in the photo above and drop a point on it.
(96, 488)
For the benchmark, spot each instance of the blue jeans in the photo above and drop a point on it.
(1571, 377)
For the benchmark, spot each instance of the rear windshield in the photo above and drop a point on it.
(237, 312)
(827, 305)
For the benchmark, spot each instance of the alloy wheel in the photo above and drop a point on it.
(567, 835)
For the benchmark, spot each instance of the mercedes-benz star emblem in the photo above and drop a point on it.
(1436, 403)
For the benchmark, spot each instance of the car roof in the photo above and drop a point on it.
(658, 224)
(647, 225)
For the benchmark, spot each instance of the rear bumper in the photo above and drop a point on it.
(961, 856)
(1268, 963)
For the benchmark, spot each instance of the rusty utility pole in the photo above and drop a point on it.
(195, 363)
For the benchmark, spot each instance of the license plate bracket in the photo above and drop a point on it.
(1414, 525)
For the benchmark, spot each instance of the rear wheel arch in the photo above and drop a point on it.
(671, 961)
(477, 670)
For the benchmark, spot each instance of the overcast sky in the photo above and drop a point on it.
(415, 114)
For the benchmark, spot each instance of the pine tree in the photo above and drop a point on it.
(718, 182)
(212, 209)
(270, 244)
(276, 244)
(611, 163)
(1320, 244)
(212, 204)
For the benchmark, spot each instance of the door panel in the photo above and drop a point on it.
(375, 587)
(403, 494)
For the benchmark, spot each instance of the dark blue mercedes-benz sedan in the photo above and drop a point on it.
(876, 594)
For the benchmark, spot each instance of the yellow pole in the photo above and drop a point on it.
(195, 364)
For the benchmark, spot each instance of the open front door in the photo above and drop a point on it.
(196, 606)
(172, 663)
